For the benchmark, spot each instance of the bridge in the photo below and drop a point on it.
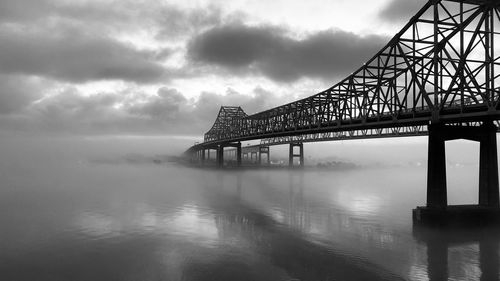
(439, 76)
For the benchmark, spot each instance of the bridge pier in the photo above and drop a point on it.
(203, 156)
(437, 209)
(220, 153)
(264, 150)
(198, 156)
(436, 168)
(488, 167)
(292, 155)
(208, 154)
(252, 158)
(238, 155)
(220, 156)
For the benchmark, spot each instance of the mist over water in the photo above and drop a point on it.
(87, 209)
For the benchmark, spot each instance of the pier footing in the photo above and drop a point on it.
(462, 215)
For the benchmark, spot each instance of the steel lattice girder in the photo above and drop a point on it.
(442, 66)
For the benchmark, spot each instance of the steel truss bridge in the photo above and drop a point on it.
(439, 76)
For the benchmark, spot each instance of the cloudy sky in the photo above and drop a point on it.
(126, 67)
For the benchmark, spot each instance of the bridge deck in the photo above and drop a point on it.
(442, 67)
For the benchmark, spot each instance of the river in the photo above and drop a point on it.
(105, 220)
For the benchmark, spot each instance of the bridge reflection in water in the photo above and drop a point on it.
(438, 76)
(313, 240)
(440, 244)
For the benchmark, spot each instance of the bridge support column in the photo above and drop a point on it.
(229, 153)
(220, 156)
(436, 168)
(251, 156)
(264, 150)
(488, 167)
(238, 155)
(203, 156)
(206, 154)
(292, 155)
(437, 209)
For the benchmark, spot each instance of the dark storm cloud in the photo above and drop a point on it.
(77, 41)
(268, 51)
(75, 57)
(401, 10)
(235, 46)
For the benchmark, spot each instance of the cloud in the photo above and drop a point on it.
(23, 10)
(166, 104)
(17, 92)
(82, 41)
(54, 46)
(267, 50)
(70, 112)
(173, 22)
(401, 10)
(179, 114)
(166, 21)
(168, 112)
(75, 57)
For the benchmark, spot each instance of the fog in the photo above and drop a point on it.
(46, 151)
(100, 208)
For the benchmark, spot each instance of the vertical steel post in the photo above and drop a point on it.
(435, 113)
(487, 58)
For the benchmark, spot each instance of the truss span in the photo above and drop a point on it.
(442, 67)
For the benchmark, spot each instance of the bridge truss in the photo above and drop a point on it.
(443, 66)
(439, 76)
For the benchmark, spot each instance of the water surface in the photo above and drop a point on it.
(109, 221)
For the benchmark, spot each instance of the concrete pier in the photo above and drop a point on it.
(437, 209)
(293, 155)
(220, 154)
(460, 215)
(264, 150)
